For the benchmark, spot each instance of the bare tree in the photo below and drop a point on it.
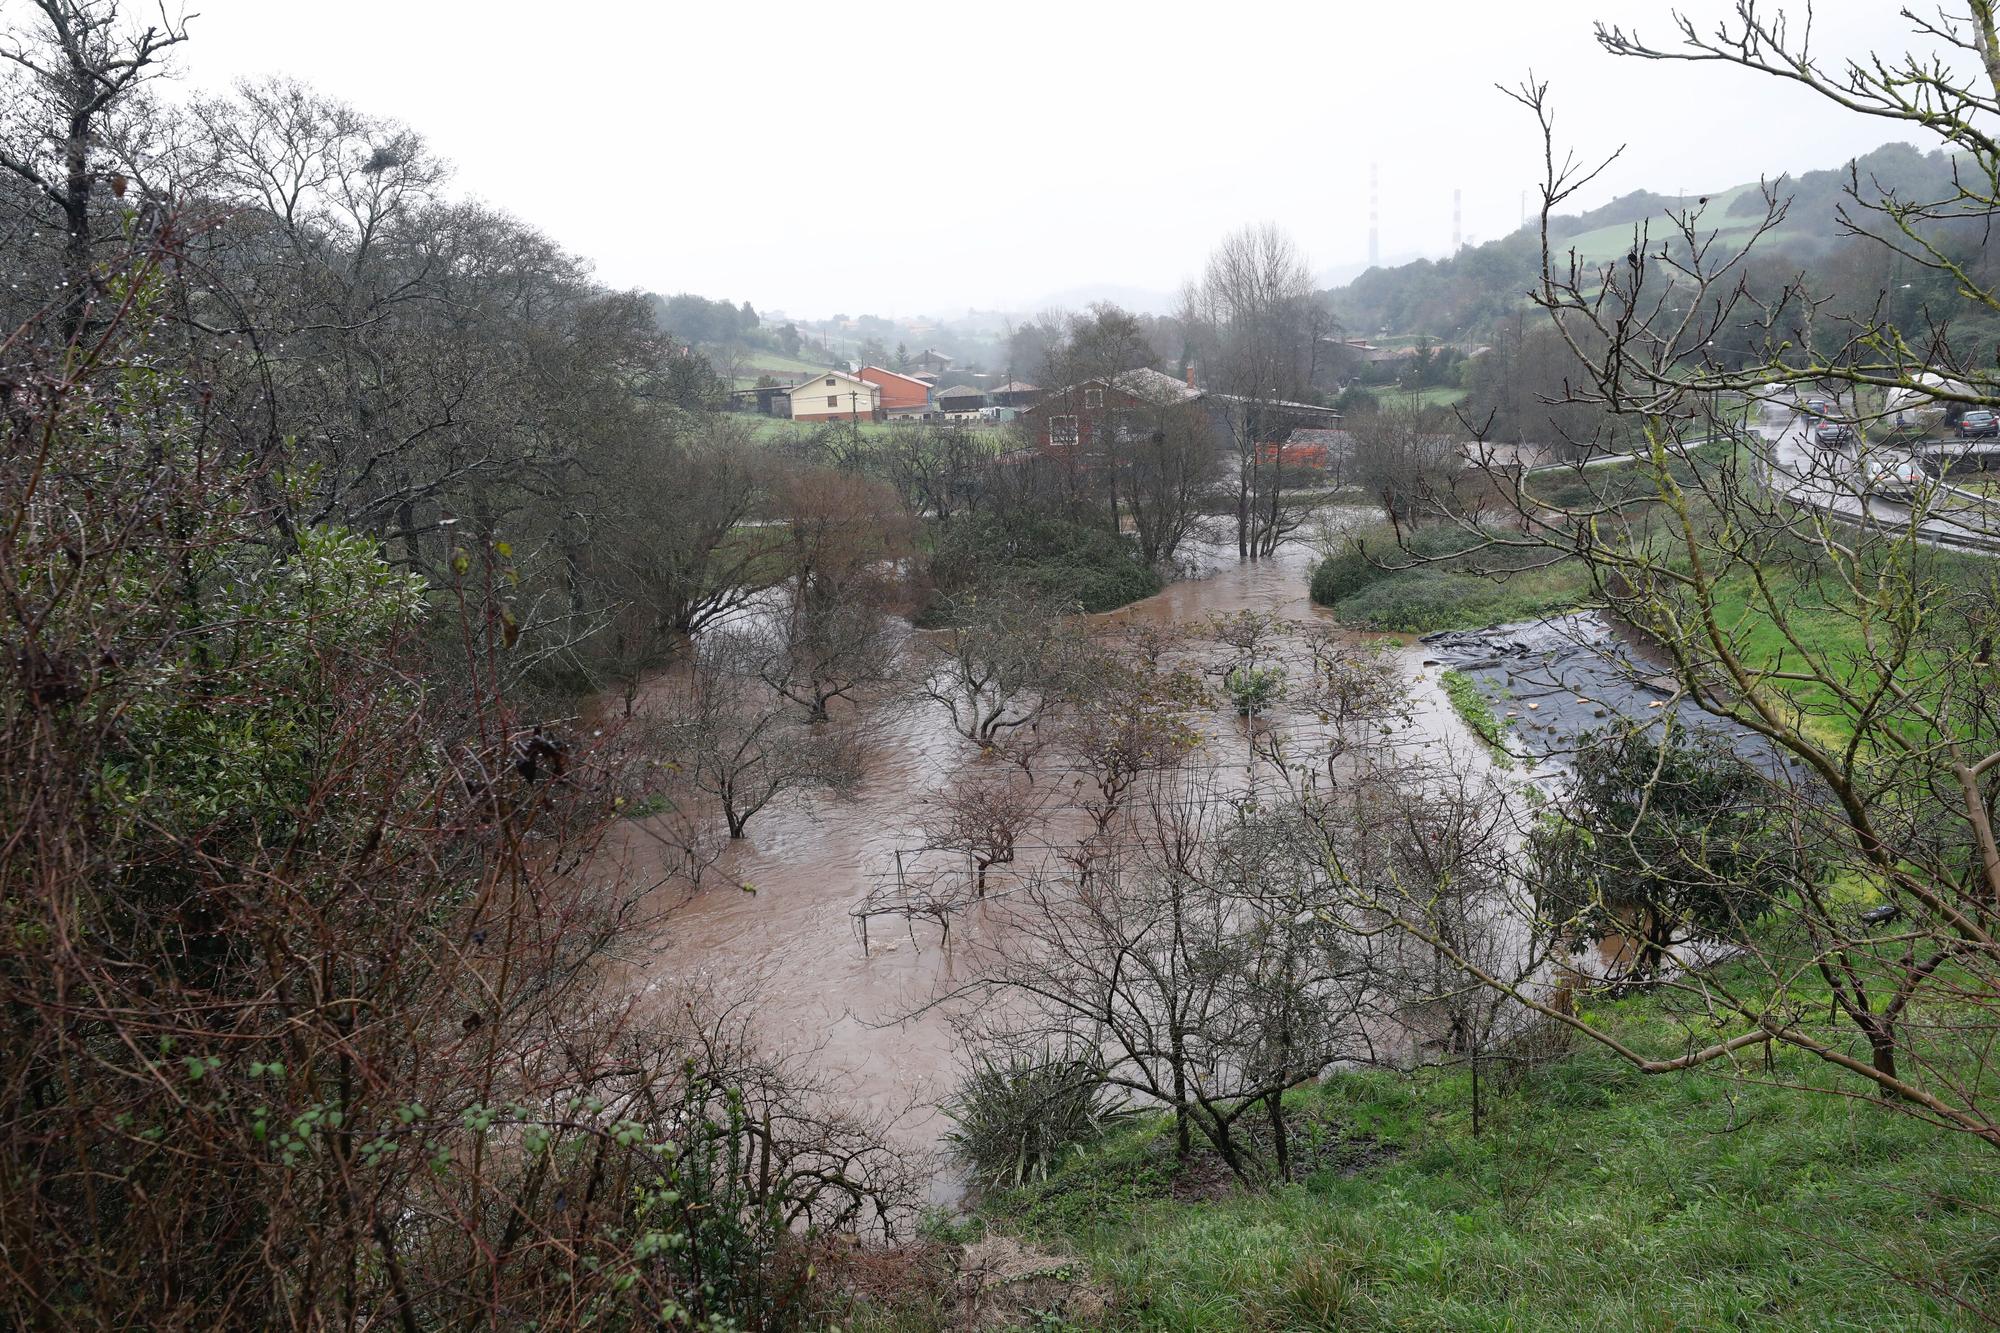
(831, 636)
(1423, 855)
(1002, 665)
(1199, 964)
(984, 816)
(740, 741)
(1411, 461)
(1255, 302)
(936, 469)
(323, 991)
(71, 72)
(1892, 726)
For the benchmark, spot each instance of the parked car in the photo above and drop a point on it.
(1978, 422)
(1833, 434)
(1816, 407)
(1893, 478)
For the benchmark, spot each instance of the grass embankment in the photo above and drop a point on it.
(1431, 395)
(1473, 708)
(1432, 581)
(1595, 1198)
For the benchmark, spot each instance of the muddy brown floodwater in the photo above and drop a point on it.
(793, 943)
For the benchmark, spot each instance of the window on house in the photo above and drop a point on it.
(1062, 431)
(1093, 398)
(832, 399)
(829, 381)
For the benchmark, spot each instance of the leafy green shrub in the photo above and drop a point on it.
(1415, 586)
(1362, 557)
(1018, 1115)
(1472, 706)
(1253, 687)
(1663, 843)
(1043, 556)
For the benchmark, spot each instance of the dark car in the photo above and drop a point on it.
(1978, 422)
(1833, 434)
(1815, 407)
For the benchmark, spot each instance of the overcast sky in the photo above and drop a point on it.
(924, 159)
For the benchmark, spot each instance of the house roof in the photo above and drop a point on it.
(1149, 385)
(896, 374)
(1017, 386)
(824, 374)
(961, 391)
(1308, 409)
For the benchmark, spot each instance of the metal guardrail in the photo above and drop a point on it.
(1976, 542)
(1612, 460)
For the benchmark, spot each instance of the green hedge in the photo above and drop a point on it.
(1421, 597)
(1070, 563)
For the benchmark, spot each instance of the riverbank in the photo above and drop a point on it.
(1428, 580)
(1595, 1197)
(867, 1022)
(1430, 585)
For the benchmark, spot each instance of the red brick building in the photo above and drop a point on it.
(1076, 420)
(902, 395)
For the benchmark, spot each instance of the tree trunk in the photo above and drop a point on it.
(1881, 1033)
(1242, 513)
(76, 223)
(1476, 1107)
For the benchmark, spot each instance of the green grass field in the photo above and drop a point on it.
(1595, 1198)
(1436, 395)
(780, 365)
(1603, 244)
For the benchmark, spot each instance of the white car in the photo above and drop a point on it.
(1893, 478)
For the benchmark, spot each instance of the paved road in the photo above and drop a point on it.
(1831, 480)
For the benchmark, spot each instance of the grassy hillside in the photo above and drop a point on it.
(1725, 214)
(1594, 1198)
(1463, 295)
(776, 364)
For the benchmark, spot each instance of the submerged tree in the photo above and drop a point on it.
(742, 742)
(1199, 961)
(1002, 664)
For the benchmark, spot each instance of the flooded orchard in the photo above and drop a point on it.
(788, 946)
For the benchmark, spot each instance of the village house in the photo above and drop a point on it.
(771, 400)
(903, 397)
(835, 395)
(964, 402)
(1076, 420)
(1016, 394)
(932, 360)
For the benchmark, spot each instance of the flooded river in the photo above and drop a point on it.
(1555, 683)
(861, 1018)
